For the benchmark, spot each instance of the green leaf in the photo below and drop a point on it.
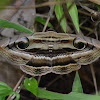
(31, 85)
(2, 98)
(8, 24)
(4, 89)
(71, 96)
(77, 87)
(82, 96)
(48, 94)
(74, 14)
(43, 21)
(59, 13)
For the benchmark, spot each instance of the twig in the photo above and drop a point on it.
(46, 24)
(89, 33)
(94, 78)
(20, 80)
(38, 80)
(86, 28)
(95, 13)
(42, 15)
(49, 16)
(55, 79)
(36, 6)
(95, 1)
(85, 13)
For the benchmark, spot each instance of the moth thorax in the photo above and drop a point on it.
(50, 47)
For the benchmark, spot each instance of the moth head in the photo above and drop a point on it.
(22, 44)
(79, 45)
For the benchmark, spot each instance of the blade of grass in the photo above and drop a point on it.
(8, 24)
(71, 96)
(59, 13)
(42, 21)
(74, 15)
(77, 87)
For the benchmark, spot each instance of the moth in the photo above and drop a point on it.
(46, 52)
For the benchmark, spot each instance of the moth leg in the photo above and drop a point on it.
(66, 68)
(35, 71)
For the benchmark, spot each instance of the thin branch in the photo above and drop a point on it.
(95, 13)
(49, 16)
(36, 6)
(15, 88)
(38, 80)
(42, 15)
(95, 1)
(55, 79)
(94, 78)
(46, 24)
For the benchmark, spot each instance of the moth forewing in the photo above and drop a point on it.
(46, 52)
